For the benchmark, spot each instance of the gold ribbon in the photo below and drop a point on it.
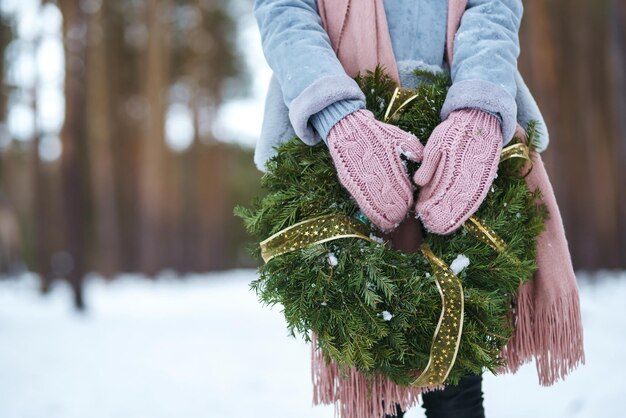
(312, 231)
(483, 233)
(479, 230)
(519, 150)
(445, 345)
(398, 94)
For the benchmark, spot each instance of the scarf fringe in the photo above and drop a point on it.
(555, 342)
(552, 336)
(354, 396)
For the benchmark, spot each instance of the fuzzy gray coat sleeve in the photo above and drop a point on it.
(298, 50)
(484, 63)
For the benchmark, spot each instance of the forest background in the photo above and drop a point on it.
(127, 126)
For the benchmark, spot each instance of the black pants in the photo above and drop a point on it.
(464, 400)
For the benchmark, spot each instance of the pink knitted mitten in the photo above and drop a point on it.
(366, 154)
(460, 162)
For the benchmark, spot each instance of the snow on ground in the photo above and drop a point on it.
(204, 347)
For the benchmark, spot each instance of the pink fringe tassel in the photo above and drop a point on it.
(354, 396)
(553, 336)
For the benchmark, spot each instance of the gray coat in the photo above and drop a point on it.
(309, 90)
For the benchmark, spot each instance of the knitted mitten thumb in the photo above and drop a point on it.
(460, 162)
(366, 154)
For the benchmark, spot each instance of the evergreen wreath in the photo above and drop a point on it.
(376, 308)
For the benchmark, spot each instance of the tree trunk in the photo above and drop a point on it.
(99, 134)
(153, 151)
(74, 149)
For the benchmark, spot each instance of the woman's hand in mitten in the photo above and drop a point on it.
(366, 154)
(460, 162)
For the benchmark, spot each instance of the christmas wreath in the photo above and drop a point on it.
(443, 311)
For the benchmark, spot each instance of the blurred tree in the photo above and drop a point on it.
(119, 199)
(100, 126)
(10, 239)
(142, 184)
(155, 82)
(74, 159)
(573, 63)
(6, 36)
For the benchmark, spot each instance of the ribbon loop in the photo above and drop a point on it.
(519, 150)
(312, 231)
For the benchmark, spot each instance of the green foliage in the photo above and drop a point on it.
(343, 302)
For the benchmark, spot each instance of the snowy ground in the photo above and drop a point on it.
(204, 347)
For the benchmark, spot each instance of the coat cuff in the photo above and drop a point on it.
(326, 118)
(319, 95)
(486, 96)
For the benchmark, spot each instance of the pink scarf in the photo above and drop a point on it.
(547, 317)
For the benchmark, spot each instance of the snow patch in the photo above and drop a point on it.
(459, 263)
(377, 239)
(387, 315)
(200, 344)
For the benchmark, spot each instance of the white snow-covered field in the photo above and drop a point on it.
(204, 347)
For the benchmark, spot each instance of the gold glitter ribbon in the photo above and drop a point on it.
(399, 94)
(445, 345)
(312, 231)
(519, 150)
(482, 232)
